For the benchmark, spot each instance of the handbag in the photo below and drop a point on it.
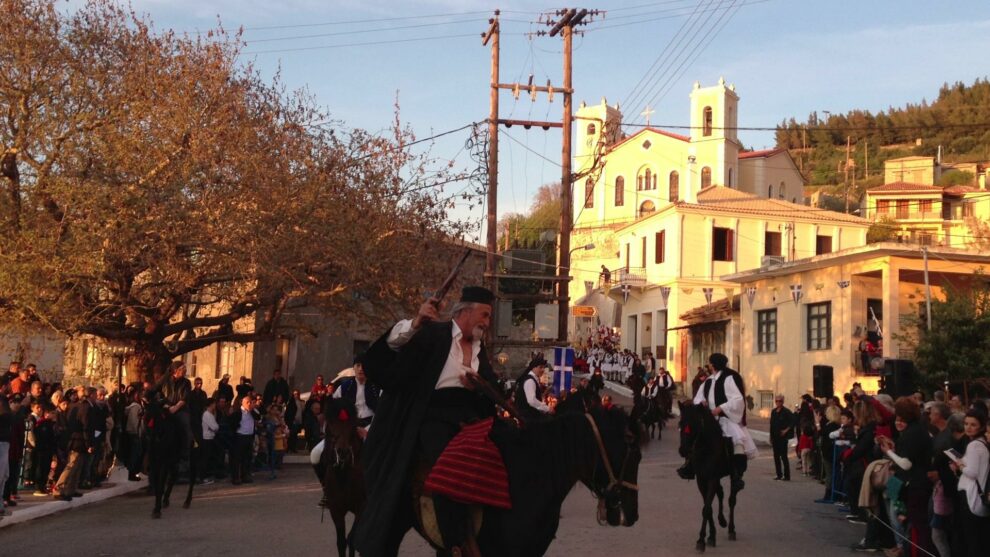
(880, 474)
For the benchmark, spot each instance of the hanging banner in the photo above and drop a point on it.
(708, 294)
(751, 295)
(563, 369)
(687, 291)
(626, 289)
(843, 284)
(729, 292)
(665, 294)
(796, 293)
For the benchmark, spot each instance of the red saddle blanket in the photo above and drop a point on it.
(471, 470)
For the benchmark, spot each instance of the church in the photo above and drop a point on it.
(668, 215)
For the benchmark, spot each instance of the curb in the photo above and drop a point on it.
(30, 511)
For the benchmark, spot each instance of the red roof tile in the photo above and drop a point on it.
(759, 154)
(904, 186)
(960, 190)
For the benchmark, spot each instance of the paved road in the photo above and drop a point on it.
(280, 517)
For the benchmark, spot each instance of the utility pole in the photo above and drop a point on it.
(848, 144)
(928, 289)
(866, 154)
(492, 244)
(565, 26)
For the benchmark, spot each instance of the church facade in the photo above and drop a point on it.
(670, 214)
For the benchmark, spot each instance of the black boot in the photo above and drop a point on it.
(686, 471)
(739, 465)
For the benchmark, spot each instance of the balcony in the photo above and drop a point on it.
(633, 276)
(908, 216)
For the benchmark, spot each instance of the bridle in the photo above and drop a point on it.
(614, 481)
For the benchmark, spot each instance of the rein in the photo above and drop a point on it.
(612, 479)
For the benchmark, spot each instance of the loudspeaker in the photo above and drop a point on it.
(899, 377)
(822, 381)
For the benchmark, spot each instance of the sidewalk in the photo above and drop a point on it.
(30, 507)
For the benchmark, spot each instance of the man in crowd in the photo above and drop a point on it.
(529, 391)
(427, 369)
(362, 394)
(79, 446)
(224, 390)
(13, 371)
(175, 388)
(276, 386)
(243, 421)
(781, 430)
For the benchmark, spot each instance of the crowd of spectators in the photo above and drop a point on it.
(58, 440)
(911, 472)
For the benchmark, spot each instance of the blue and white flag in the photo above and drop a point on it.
(563, 369)
(626, 289)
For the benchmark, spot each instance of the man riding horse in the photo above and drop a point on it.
(425, 368)
(726, 400)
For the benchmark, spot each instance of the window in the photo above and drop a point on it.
(883, 206)
(771, 243)
(674, 193)
(661, 246)
(781, 189)
(589, 194)
(766, 323)
(226, 353)
(706, 177)
(591, 129)
(706, 126)
(770, 191)
(925, 206)
(721, 244)
(646, 208)
(903, 208)
(968, 209)
(620, 191)
(646, 183)
(191, 361)
(946, 210)
(627, 257)
(729, 181)
(643, 251)
(820, 326)
(823, 245)
(639, 183)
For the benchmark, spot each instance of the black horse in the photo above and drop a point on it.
(164, 453)
(707, 453)
(339, 469)
(596, 446)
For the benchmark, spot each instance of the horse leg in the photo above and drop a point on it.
(338, 515)
(732, 514)
(710, 499)
(706, 513)
(156, 486)
(193, 458)
(170, 474)
(720, 493)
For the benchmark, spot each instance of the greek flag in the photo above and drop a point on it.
(563, 369)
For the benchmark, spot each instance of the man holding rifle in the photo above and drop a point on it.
(429, 371)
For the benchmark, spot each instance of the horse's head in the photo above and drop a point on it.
(341, 419)
(695, 419)
(616, 475)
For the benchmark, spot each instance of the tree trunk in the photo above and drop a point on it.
(148, 362)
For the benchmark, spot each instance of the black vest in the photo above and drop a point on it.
(521, 403)
(720, 397)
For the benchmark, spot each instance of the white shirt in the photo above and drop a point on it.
(974, 469)
(529, 387)
(210, 426)
(246, 427)
(732, 413)
(360, 404)
(665, 381)
(453, 369)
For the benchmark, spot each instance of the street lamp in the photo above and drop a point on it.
(584, 247)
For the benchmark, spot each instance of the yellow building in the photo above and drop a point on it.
(815, 311)
(923, 213)
(669, 214)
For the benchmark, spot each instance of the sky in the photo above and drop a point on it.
(786, 58)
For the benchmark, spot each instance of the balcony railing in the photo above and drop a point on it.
(908, 215)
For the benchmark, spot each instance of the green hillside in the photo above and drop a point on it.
(957, 120)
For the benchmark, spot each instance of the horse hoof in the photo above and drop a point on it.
(165, 504)
(722, 522)
(185, 505)
(700, 547)
(732, 536)
(156, 514)
(711, 542)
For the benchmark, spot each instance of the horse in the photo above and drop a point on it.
(653, 416)
(706, 450)
(339, 470)
(595, 446)
(164, 452)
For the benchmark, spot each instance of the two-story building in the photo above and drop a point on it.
(919, 211)
(670, 214)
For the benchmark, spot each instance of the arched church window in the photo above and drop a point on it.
(706, 118)
(674, 192)
(639, 182)
(729, 181)
(591, 129)
(770, 191)
(706, 177)
(620, 191)
(647, 180)
(646, 208)
(589, 193)
(782, 189)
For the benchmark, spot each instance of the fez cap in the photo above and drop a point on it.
(477, 294)
(718, 360)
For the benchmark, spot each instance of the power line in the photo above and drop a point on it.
(359, 31)
(846, 129)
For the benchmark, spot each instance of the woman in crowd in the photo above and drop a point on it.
(974, 523)
(911, 456)
(856, 459)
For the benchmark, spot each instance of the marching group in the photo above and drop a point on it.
(913, 472)
(58, 440)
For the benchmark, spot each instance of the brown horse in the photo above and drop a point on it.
(339, 469)
(164, 453)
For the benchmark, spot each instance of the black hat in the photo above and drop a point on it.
(718, 360)
(477, 294)
(536, 362)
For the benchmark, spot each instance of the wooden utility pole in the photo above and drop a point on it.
(928, 289)
(492, 244)
(848, 145)
(866, 154)
(565, 26)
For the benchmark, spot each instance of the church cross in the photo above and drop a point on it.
(647, 114)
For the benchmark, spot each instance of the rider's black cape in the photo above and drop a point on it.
(408, 379)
